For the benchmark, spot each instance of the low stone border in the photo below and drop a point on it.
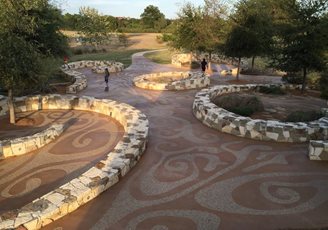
(23, 145)
(318, 150)
(97, 179)
(80, 80)
(189, 80)
(267, 130)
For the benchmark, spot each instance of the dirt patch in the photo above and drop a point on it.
(144, 41)
(278, 107)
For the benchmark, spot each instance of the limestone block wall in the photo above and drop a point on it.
(267, 130)
(179, 59)
(182, 81)
(23, 145)
(111, 65)
(97, 179)
(318, 150)
(80, 80)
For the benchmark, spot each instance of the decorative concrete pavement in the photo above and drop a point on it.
(194, 177)
(87, 139)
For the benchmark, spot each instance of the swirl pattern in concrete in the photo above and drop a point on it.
(87, 139)
(193, 177)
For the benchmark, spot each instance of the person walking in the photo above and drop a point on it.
(66, 62)
(204, 65)
(106, 76)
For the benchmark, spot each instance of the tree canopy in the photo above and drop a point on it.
(153, 18)
(200, 28)
(29, 34)
(302, 38)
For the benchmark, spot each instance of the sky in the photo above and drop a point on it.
(125, 8)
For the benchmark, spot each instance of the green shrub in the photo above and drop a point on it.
(324, 85)
(303, 116)
(276, 90)
(293, 78)
(243, 111)
(242, 105)
(313, 80)
(77, 51)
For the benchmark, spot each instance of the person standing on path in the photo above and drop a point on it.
(204, 65)
(106, 76)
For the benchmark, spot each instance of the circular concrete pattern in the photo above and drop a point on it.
(172, 80)
(87, 139)
(193, 177)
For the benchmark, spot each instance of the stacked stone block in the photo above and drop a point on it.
(97, 179)
(184, 81)
(318, 150)
(266, 130)
(80, 80)
(23, 145)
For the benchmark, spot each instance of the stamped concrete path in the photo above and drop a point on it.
(193, 177)
(85, 141)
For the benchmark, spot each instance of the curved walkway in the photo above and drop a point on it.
(27, 177)
(192, 177)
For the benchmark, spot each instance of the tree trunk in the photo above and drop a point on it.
(238, 69)
(304, 79)
(253, 60)
(209, 67)
(11, 107)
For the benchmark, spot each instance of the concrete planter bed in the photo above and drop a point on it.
(267, 130)
(80, 80)
(172, 81)
(98, 178)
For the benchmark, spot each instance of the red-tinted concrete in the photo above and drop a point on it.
(87, 139)
(193, 177)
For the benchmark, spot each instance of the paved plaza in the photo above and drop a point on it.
(190, 176)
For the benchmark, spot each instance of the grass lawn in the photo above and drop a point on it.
(161, 57)
(123, 56)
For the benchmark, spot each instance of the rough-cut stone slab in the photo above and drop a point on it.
(318, 150)
(267, 130)
(23, 145)
(80, 80)
(182, 81)
(97, 179)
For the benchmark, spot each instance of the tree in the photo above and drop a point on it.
(256, 16)
(200, 29)
(240, 43)
(28, 35)
(152, 18)
(93, 26)
(324, 84)
(302, 37)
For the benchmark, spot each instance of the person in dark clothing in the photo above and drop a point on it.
(106, 76)
(204, 65)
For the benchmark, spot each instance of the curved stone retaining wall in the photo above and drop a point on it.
(181, 81)
(318, 150)
(80, 80)
(23, 145)
(267, 130)
(97, 179)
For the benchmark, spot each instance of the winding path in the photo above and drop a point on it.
(193, 177)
